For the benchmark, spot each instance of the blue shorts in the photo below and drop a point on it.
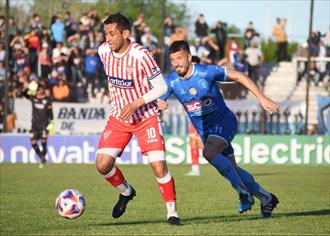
(224, 127)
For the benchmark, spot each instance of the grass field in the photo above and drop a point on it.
(207, 205)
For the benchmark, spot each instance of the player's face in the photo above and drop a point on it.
(181, 61)
(115, 38)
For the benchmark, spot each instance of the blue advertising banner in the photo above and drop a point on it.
(249, 149)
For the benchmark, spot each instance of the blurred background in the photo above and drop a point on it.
(284, 47)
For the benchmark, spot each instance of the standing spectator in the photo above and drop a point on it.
(61, 91)
(221, 37)
(138, 27)
(12, 28)
(91, 70)
(201, 27)
(148, 40)
(248, 35)
(94, 19)
(33, 45)
(2, 52)
(254, 59)
(76, 66)
(35, 23)
(58, 30)
(168, 29)
(44, 61)
(281, 39)
(232, 48)
(71, 25)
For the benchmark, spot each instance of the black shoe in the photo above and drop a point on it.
(174, 221)
(266, 210)
(43, 159)
(120, 206)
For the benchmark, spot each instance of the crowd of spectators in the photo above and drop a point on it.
(63, 55)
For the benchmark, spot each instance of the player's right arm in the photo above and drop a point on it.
(161, 102)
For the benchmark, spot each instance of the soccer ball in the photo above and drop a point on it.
(70, 204)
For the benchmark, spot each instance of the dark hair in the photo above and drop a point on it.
(178, 46)
(195, 59)
(122, 22)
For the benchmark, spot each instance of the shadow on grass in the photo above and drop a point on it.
(215, 219)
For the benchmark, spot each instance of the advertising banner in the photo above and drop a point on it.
(256, 150)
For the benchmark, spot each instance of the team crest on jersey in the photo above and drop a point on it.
(129, 69)
(193, 91)
(202, 83)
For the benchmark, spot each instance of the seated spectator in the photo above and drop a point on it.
(61, 91)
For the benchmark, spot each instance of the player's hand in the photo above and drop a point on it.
(128, 111)
(162, 105)
(51, 127)
(269, 105)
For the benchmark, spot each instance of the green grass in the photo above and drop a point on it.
(207, 205)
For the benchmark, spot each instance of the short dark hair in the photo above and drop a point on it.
(122, 22)
(178, 46)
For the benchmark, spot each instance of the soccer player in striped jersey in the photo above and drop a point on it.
(196, 88)
(135, 82)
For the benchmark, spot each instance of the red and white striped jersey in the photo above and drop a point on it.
(128, 79)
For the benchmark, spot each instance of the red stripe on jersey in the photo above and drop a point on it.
(120, 71)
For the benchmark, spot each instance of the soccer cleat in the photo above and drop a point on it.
(246, 202)
(193, 173)
(266, 210)
(43, 159)
(121, 205)
(174, 221)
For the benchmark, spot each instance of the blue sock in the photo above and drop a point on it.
(227, 170)
(253, 187)
(248, 181)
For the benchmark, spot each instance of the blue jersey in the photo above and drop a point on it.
(202, 99)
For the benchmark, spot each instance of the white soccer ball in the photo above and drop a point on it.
(70, 204)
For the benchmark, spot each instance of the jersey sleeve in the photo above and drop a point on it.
(149, 65)
(218, 73)
(169, 89)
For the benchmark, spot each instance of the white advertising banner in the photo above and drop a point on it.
(69, 118)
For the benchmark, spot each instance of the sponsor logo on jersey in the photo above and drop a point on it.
(121, 83)
(199, 105)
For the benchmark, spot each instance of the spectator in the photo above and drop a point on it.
(248, 35)
(76, 66)
(58, 30)
(148, 40)
(71, 25)
(12, 28)
(2, 52)
(44, 61)
(61, 91)
(281, 40)
(138, 28)
(33, 45)
(232, 48)
(180, 33)
(221, 37)
(254, 59)
(168, 29)
(92, 64)
(35, 23)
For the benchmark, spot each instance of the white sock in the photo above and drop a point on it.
(171, 209)
(195, 168)
(124, 188)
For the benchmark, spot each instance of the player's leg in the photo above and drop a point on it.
(219, 137)
(44, 138)
(268, 200)
(194, 151)
(111, 145)
(36, 135)
(151, 143)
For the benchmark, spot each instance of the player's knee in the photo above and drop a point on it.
(104, 163)
(209, 154)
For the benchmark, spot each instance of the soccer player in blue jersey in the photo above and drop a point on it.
(195, 87)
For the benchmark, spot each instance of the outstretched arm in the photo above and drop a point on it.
(265, 102)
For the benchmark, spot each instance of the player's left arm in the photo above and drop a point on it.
(265, 102)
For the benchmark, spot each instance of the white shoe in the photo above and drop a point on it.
(41, 166)
(193, 173)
